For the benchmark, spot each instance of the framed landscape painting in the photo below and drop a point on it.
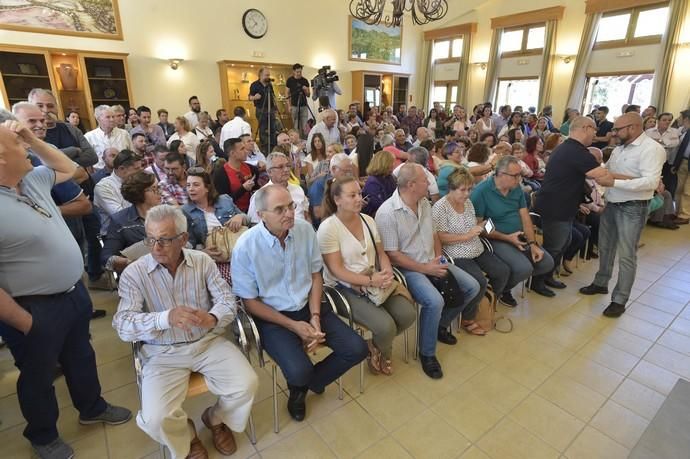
(375, 43)
(85, 18)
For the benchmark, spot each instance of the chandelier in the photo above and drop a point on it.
(422, 11)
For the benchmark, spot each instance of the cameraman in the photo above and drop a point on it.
(261, 93)
(326, 86)
(298, 91)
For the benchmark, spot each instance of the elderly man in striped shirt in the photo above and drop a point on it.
(175, 301)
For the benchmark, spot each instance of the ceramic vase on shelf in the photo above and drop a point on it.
(68, 76)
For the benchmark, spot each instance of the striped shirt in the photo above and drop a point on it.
(148, 292)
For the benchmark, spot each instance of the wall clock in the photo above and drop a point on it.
(254, 23)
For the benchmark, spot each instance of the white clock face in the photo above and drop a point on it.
(255, 23)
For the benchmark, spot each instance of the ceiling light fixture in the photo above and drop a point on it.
(175, 63)
(422, 11)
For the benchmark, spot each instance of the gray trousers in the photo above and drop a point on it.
(386, 321)
(666, 209)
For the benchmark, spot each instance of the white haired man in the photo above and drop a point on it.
(339, 166)
(107, 134)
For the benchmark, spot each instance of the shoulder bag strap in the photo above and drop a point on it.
(377, 263)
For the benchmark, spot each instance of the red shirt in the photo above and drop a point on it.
(236, 179)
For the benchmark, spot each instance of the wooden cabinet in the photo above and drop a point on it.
(376, 88)
(80, 80)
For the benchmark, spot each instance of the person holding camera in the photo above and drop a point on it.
(261, 93)
(326, 87)
(298, 91)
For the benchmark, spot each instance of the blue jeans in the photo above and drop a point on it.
(285, 347)
(520, 266)
(433, 314)
(619, 232)
(59, 333)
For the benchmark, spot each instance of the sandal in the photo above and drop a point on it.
(374, 359)
(473, 328)
(566, 267)
(387, 367)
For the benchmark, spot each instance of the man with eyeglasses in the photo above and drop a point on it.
(562, 191)
(175, 301)
(276, 269)
(278, 166)
(44, 307)
(635, 170)
(173, 185)
(501, 199)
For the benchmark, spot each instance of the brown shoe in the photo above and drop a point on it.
(196, 448)
(223, 439)
(681, 221)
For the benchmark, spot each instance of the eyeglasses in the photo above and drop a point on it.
(34, 205)
(616, 129)
(280, 168)
(162, 241)
(282, 210)
(512, 175)
(196, 170)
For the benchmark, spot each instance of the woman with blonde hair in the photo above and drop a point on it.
(358, 267)
(182, 133)
(380, 183)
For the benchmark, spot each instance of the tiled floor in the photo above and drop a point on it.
(566, 383)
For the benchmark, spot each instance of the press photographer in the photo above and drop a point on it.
(261, 93)
(298, 91)
(326, 87)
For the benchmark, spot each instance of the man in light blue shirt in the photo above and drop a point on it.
(276, 270)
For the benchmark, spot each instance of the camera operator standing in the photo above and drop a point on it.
(261, 93)
(298, 91)
(326, 87)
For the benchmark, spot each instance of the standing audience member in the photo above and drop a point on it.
(153, 133)
(680, 170)
(107, 134)
(168, 128)
(635, 170)
(276, 270)
(175, 302)
(236, 127)
(604, 126)
(192, 116)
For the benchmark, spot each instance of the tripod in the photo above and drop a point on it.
(267, 108)
(301, 102)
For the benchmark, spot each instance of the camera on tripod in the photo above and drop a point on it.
(325, 77)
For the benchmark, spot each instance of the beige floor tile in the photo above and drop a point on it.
(660, 303)
(14, 445)
(109, 348)
(681, 325)
(304, 444)
(620, 423)
(670, 360)
(509, 440)
(497, 389)
(115, 374)
(422, 387)
(429, 436)
(592, 444)
(91, 446)
(676, 341)
(547, 421)
(567, 337)
(678, 275)
(673, 284)
(638, 327)
(609, 356)
(70, 429)
(385, 448)
(349, 430)
(324, 404)
(572, 396)
(669, 293)
(461, 366)
(474, 453)
(263, 422)
(524, 369)
(8, 379)
(654, 377)
(11, 415)
(591, 374)
(650, 314)
(625, 341)
(390, 404)
(638, 398)
(469, 415)
(546, 352)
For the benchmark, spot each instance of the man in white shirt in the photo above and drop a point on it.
(327, 127)
(107, 135)
(254, 155)
(420, 155)
(107, 196)
(193, 114)
(635, 167)
(236, 127)
(669, 138)
(278, 166)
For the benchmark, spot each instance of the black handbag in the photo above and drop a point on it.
(449, 290)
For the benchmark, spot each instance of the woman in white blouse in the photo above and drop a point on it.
(457, 227)
(182, 133)
(485, 124)
(356, 263)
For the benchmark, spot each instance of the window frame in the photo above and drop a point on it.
(620, 73)
(449, 102)
(500, 79)
(449, 58)
(630, 39)
(523, 51)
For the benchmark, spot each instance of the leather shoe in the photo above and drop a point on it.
(223, 439)
(614, 310)
(445, 335)
(431, 366)
(553, 283)
(542, 290)
(297, 406)
(508, 300)
(592, 289)
(681, 221)
(196, 448)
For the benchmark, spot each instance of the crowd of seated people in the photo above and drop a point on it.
(362, 194)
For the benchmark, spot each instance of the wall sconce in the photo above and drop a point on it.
(481, 65)
(175, 63)
(566, 59)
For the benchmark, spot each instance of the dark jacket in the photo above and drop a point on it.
(126, 228)
(376, 190)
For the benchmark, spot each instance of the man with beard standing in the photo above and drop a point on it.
(635, 167)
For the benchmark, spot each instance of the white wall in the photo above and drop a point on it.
(204, 32)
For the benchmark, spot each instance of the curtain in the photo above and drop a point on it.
(427, 74)
(547, 64)
(464, 71)
(667, 59)
(491, 66)
(584, 54)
